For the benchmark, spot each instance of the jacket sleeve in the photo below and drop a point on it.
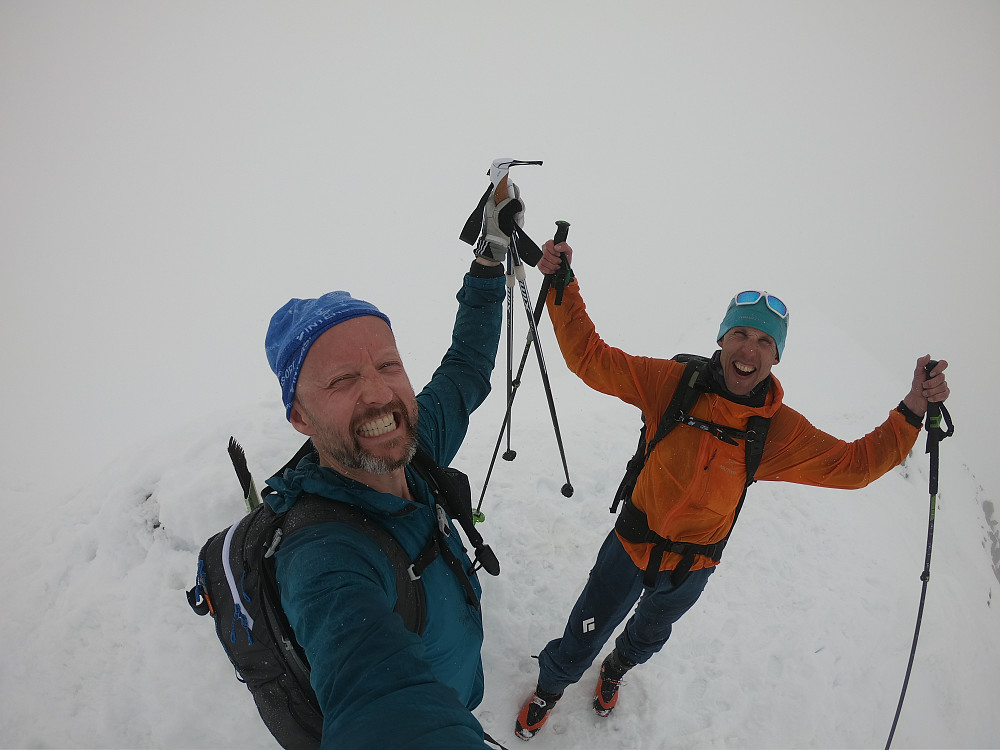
(461, 382)
(641, 381)
(374, 687)
(796, 451)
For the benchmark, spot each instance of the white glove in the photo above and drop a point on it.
(499, 222)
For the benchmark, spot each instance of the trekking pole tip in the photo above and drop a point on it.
(567, 490)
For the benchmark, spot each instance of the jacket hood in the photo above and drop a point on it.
(733, 411)
(311, 478)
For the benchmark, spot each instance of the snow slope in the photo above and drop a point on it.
(170, 173)
(800, 640)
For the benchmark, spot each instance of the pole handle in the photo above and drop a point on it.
(933, 407)
(564, 274)
(562, 232)
(938, 423)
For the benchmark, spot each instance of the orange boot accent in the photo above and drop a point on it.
(534, 714)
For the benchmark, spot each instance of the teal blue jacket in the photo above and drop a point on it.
(378, 684)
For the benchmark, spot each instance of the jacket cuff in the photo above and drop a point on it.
(911, 416)
(481, 271)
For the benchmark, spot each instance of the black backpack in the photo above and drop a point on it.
(236, 584)
(632, 523)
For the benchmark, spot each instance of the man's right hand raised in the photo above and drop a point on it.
(551, 256)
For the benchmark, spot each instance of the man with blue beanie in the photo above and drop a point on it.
(343, 384)
(714, 425)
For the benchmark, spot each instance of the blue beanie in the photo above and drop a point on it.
(297, 324)
(758, 316)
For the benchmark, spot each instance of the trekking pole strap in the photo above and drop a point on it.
(937, 415)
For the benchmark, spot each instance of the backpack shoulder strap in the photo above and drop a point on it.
(451, 490)
(689, 388)
(756, 436)
(310, 510)
(633, 525)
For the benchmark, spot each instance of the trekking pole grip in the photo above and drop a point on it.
(563, 275)
(939, 422)
(933, 407)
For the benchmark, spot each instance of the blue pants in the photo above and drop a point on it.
(614, 586)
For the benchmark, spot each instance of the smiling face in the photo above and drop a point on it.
(355, 401)
(747, 357)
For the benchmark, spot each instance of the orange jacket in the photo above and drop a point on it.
(690, 486)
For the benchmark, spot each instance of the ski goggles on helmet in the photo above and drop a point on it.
(774, 304)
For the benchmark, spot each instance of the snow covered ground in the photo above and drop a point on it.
(171, 173)
(801, 639)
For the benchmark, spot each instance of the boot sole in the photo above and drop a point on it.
(602, 712)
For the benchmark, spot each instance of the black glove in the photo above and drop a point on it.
(498, 224)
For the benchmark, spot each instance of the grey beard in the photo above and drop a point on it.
(362, 460)
(351, 455)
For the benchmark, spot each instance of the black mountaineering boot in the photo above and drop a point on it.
(534, 714)
(606, 693)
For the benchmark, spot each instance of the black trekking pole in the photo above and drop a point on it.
(937, 415)
(562, 231)
(512, 381)
(534, 316)
(562, 276)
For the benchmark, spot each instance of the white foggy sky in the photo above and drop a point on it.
(172, 172)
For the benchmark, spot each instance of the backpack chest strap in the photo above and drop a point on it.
(728, 435)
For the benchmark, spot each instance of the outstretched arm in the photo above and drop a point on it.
(462, 381)
(798, 452)
(645, 382)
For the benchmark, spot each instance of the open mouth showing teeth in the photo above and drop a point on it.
(743, 369)
(378, 426)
